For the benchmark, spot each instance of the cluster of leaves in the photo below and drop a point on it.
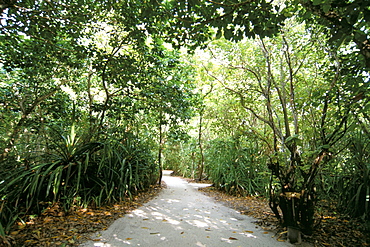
(235, 166)
(76, 173)
(233, 20)
(97, 64)
(304, 100)
(345, 21)
(352, 183)
(182, 157)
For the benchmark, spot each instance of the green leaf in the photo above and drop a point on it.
(326, 8)
(219, 33)
(293, 138)
(228, 33)
(325, 147)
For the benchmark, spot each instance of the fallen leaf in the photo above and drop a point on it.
(265, 232)
(154, 233)
(128, 238)
(21, 226)
(14, 233)
(231, 238)
(249, 231)
(48, 219)
(144, 227)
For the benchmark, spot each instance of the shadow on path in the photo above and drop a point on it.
(182, 216)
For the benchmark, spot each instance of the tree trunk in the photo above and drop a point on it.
(297, 204)
(307, 210)
(201, 163)
(160, 150)
(290, 208)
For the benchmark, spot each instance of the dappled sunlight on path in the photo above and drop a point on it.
(182, 216)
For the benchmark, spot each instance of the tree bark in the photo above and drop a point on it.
(160, 149)
(201, 162)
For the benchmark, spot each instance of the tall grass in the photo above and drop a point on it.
(235, 166)
(353, 185)
(182, 157)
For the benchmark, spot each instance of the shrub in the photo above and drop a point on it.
(73, 172)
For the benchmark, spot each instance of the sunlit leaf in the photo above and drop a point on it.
(14, 233)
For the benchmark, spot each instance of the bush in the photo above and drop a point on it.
(73, 172)
(235, 166)
(182, 157)
(353, 185)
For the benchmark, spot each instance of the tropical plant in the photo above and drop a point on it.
(299, 135)
(75, 173)
(352, 183)
(181, 156)
(236, 166)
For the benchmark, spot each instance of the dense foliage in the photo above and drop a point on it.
(82, 95)
(304, 105)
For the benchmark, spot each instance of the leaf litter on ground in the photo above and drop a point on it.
(57, 228)
(332, 228)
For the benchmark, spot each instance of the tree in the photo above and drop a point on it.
(40, 47)
(345, 21)
(194, 22)
(205, 88)
(75, 78)
(300, 108)
(168, 99)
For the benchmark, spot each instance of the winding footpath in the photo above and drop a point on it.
(182, 216)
